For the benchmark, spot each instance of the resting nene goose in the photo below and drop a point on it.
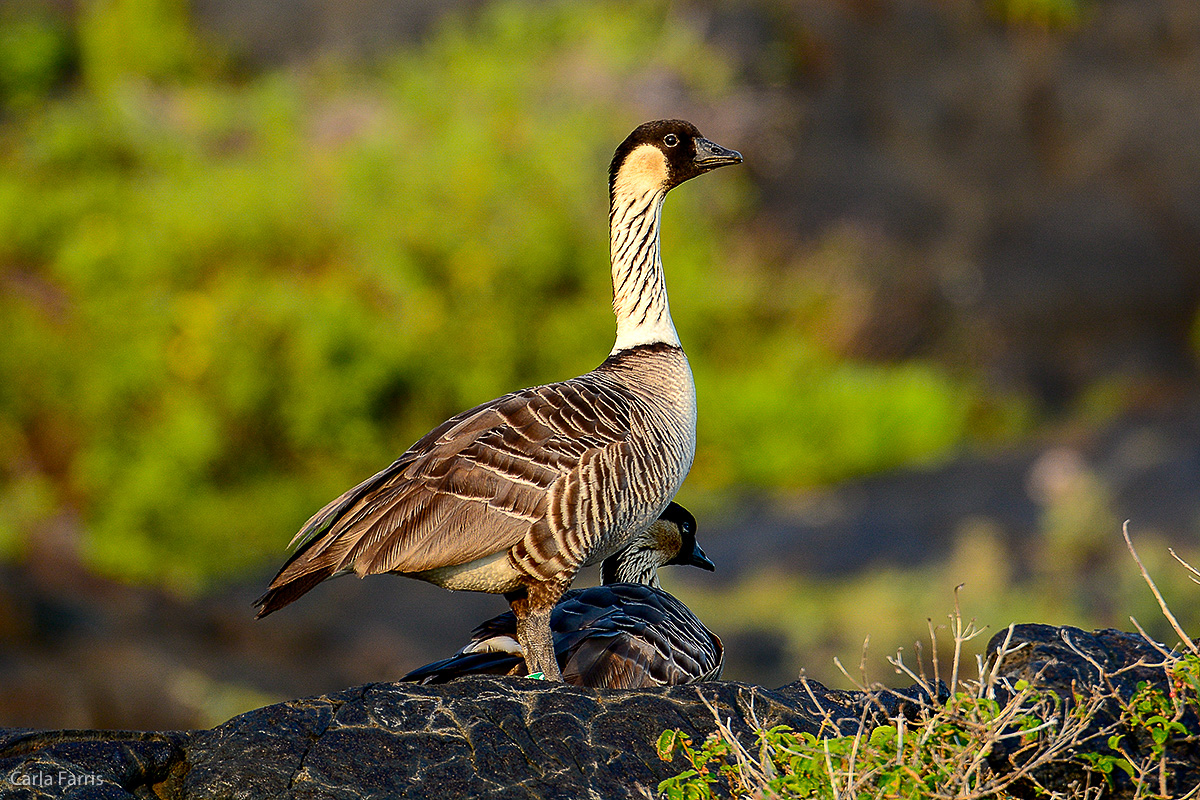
(626, 634)
(514, 496)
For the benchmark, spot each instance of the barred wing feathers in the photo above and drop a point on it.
(474, 486)
(627, 636)
(618, 636)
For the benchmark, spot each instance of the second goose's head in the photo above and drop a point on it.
(660, 155)
(670, 539)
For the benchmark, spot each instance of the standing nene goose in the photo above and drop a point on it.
(626, 634)
(516, 495)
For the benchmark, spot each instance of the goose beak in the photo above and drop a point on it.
(698, 559)
(710, 155)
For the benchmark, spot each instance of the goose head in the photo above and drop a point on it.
(658, 156)
(670, 539)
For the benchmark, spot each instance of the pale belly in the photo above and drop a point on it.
(493, 573)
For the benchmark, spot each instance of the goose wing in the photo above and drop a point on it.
(618, 636)
(633, 636)
(474, 486)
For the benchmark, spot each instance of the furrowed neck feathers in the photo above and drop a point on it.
(633, 564)
(638, 188)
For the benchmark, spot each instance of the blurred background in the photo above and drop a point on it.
(943, 322)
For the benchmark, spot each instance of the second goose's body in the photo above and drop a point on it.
(626, 634)
(515, 495)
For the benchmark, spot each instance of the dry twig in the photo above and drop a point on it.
(1157, 594)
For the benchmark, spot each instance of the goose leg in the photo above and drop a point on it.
(532, 609)
(533, 633)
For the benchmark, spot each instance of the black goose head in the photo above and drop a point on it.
(666, 153)
(690, 554)
(671, 539)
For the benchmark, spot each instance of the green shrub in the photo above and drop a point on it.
(1039, 14)
(36, 55)
(944, 751)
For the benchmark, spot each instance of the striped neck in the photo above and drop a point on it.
(632, 564)
(639, 287)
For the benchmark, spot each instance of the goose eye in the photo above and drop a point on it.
(670, 140)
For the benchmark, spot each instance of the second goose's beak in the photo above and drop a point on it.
(698, 559)
(710, 155)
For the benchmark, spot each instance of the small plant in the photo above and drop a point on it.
(1151, 724)
(942, 752)
(696, 782)
(956, 748)
(932, 757)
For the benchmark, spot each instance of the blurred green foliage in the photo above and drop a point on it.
(1039, 14)
(36, 53)
(225, 298)
(140, 40)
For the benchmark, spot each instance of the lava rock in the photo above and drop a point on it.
(500, 737)
(1107, 667)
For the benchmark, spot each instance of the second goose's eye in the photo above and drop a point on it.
(670, 140)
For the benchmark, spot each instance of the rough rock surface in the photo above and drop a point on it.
(1075, 664)
(485, 737)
